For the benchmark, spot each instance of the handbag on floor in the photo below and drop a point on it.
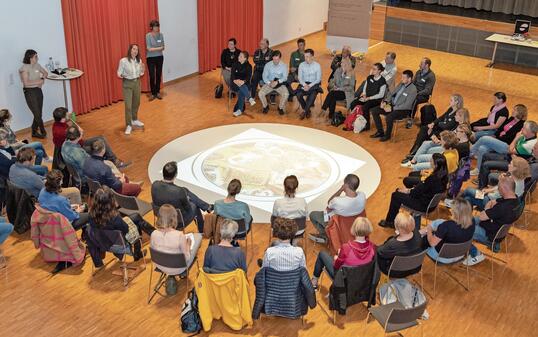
(403, 291)
(350, 119)
(218, 90)
(190, 316)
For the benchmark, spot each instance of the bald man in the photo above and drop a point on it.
(261, 57)
(497, 213)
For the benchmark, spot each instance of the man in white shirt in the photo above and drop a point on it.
(390, 69)
(352, 203)
(309, 79)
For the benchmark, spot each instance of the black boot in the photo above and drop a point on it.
(62, 265)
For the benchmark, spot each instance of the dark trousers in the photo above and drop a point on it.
(155, 68)
(197, 205)
(81, 222)
(390, 117)
(331, 99)
(109, 154)
(419, 100)
(255, 81)
(34, 100)
(397, 200)
(491, 161)
(366, 107)
(324, 260)
(310, 97)
(292, 77)
(412, 180)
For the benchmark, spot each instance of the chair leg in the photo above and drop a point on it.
(434, 278)
(468, 279)
(149, 285)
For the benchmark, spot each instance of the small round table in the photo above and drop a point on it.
(70, 74)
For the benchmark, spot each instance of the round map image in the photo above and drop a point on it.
(262, 165)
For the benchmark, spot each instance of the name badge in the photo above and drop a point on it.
(371, 80)
(297, 59)
(423, 80)
(159, 41)
(404, 94)
(348, 77)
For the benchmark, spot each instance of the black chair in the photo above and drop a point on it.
(20, 206)
(75, 179)
(131, 205)
(242, 234)
(180, 221)
(93, 186)
(300, 234)
(169, 261)
(432, 206)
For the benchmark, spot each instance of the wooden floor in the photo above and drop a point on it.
(76, 304)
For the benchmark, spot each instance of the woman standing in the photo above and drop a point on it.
(130, 70)
(33, 77)
(155, 58)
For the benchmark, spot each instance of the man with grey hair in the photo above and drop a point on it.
(337, 60)
(261, 57)
(390, 68)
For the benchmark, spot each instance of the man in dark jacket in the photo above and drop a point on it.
(95, 168)
(424, 81)
(261, 57)
(227, 59)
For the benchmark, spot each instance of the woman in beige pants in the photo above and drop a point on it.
(130, 70)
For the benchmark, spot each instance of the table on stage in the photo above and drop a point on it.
(507, 39)
(70, 74)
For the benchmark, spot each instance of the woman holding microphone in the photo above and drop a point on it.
(33, 76)
(130, 70)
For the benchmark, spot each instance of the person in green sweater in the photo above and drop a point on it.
(296, 58)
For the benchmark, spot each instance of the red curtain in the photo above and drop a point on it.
(97, 36)
(219, 20)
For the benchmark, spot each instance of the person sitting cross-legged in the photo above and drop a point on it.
(225, 257)
(96, 169)
(309, 83)
(396, 106)
(274, 79)
(341, 87)
(497, 213)
(167, 192)
(167, 239)
(353, 253)
(352, 203)
(459, 229)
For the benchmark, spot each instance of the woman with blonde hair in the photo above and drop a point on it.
(167, 239)
(518, 168)
(353, 253)
(341, 88)
(459, 229)
(407, 241)
(447, 121)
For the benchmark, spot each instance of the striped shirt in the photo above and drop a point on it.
(284, 257)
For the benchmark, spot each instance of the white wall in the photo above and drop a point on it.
(179, 24)
(285, 20)
(40, 27)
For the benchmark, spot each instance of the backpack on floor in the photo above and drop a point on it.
(218, 90)
(338, 119)
(190, 316)
(359, 124)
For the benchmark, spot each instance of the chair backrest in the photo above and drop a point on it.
(435, 201)
(502, 232)
(76, 180)
(453, 250)
(93, 185)
(168, 260)
(126, 202)
(180, 221)
(299, 222)
(405, 263)
(530, 186)
(402, 316)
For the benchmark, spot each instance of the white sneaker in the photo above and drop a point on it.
(407, 164)
(128, 130)
(237, 113)
(138, 123)
(252, 101)
(474, 172)
(48, 159)
(448, 202)
(471, 261)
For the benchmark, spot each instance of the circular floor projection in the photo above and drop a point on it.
(261, 156)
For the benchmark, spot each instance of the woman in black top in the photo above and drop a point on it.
(498, 114)
(104, 215)
(510, 128)
(240, 82)
(447, 121)
(370, 93)
(419, 197)
(407, 241)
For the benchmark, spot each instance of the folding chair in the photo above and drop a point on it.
(300, 234)
(93, 186)
(169, 261)
(407, 263)
(501, 234)
(394, 317)
(242, 234)
(452, 251)
(432, 206)
(131, 205)
(180, 221)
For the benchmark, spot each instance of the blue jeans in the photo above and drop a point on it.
(479, 236)
(432, 252)
(423, 162)
(243, 92)
(487, 144)
(41, 170)
(5, 229)
(469, 195)
(427, 147)
(40, 152)
(324, 260)
(480, 134)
